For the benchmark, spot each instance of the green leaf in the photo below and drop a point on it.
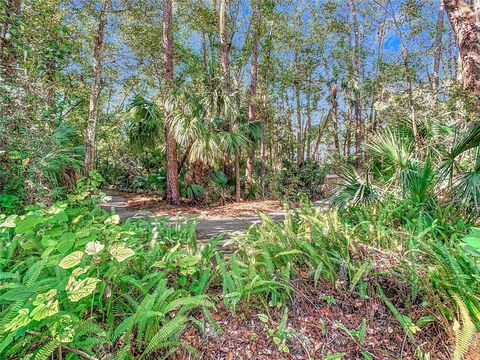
(120, 252)
(94, 247)
(80, 289)
(22, 319)
(9, 221)
(472, 241)
(43, 311)
(114, 219)
(71, 260)
(28, 223)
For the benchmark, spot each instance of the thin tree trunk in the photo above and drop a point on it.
(98, 44)
(225, 63)
(334, 112)
(348, 132)
(298, 100)
(204, 40)
(438, 49)
(252, 93)
(408, 78)
(321, 130)
(173, 193)
(356, 75)
(465, 23)
(308, 126)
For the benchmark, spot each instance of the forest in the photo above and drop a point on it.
(239, 179)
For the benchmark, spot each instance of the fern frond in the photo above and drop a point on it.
(465, 331)
(171, 328)
(47, 350)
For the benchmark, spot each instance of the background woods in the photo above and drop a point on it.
(223, 86)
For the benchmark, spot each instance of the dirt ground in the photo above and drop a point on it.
(317, 327)
(158, 207)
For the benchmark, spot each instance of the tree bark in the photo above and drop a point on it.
(438, 48)
(356, 75)
(173, 193)
(296, 60)
(334, 113)
(225, 63)
(466, 25)
(98, 44)
(252, 94)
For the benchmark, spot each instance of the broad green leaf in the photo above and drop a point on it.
(94, 247)
(43, 311)
(63, 329)
(121, 253)
(71, 260)
(472, 241)
(22, 319)
(114, 219)
(45, 297)
(28, 223)
(80, 271)
(65, 246)
(80, 289)
(9, 221)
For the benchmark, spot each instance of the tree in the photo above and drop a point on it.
(464, 22)
(96, 88)
(252, 94)
(438, 47)
(356, 76)
(173, 193)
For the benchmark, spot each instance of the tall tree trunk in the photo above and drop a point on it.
(408, 78)
(252, 94)
(98, 42)
(308, 126)
(438, 48)
(296, 61)
(466, 25)
(225, 63)
(173, 193)
(356, 75)
(204, 39)
(334, 111)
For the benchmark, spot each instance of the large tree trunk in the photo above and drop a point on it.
(356, 75)
(438, 48)
(173, 193)
(98, 42)
(334, 102)
(465, 22)
(252, 94)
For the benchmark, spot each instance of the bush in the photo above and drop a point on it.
(293, 182)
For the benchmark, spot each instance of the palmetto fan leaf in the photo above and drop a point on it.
(355, 189)
(145, 123)
(466, 189)
(392, 147)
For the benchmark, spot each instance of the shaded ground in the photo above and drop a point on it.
(229, 218)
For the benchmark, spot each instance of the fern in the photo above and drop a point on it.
(45, 351)
(171, 328)
(465, 331)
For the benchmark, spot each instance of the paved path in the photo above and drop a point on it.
(206, 228)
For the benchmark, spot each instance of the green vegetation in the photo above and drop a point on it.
(198, 103)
